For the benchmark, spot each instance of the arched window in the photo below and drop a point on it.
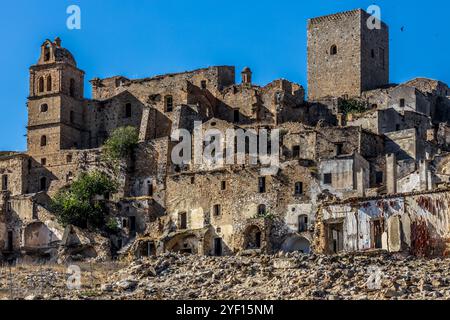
(41, 85)
(43, 141)
(72, 88)
(47, 53)
(333, 50)
(44, 107)
(49, 83)
(43, 184)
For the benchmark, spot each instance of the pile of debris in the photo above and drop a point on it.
(284, 276)
(290, 276)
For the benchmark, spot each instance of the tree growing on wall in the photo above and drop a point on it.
(121, 143)
(82, 203)
(352, 106)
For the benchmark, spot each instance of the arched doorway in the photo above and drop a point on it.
(252, 238)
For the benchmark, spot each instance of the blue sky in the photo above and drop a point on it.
(143, 38)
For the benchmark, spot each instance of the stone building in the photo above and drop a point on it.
(362, 164)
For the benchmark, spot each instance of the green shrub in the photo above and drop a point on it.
(352, 106)
(121, 143)
(78, 204)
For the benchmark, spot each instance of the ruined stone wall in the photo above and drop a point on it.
(196, 194)
(418, 223)
(13, 177)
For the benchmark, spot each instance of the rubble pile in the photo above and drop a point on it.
(285, 276)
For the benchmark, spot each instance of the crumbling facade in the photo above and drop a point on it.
(363, 164)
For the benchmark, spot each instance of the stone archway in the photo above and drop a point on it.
(296, 243)
(252, 237)
(184, 244)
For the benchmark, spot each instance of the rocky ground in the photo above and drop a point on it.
(291, 276)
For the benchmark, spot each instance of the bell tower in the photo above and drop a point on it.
(55, 102)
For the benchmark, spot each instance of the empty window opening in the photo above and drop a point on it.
(223, 185)
(298, 188)
(41, 85)
(169, 103)
(43, 141)
(125, 223)
(262, 210)
(46, 53)
(69, 158)
(128, 110)
(372, 53)
(69, 177)
(183, 220)
(236, 117)
(192, 180)
(303, 223)
(49, 83)
(43, 184)
(327, 178)
(262, 184)
(217, 210)
(44, 107)
(397, 127)
(72, 88)
(402, 103)
(339, 148)
(44, 161)
(4, 182)
(296, 152)
(333, 50)
(72, 117)
(203, 84)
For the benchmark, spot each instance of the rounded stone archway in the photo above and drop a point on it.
(296, 243)
(252, 237)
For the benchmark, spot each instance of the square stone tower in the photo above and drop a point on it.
(345, 56)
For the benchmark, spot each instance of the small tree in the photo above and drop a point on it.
(352, 106)
(80, 204)
(121, 143)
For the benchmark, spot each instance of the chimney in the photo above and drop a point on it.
(391, 173)
(246, 76)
